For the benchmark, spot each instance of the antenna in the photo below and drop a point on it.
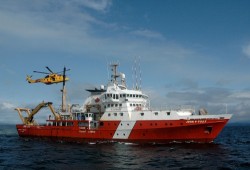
(139, 64)
(107, 67)
(136, 78)
(133, 76)
(136, 73)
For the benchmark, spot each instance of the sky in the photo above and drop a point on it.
(193, 52)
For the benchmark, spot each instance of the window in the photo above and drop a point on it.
(115, 114)
(121, 114)
(101, 123)
(124, 95)
(109, 114)
(69, 124)
(120, 105)
(83, 123)
(168, 113)
(156, 113)
(142, 114)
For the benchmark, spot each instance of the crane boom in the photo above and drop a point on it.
(29, 119)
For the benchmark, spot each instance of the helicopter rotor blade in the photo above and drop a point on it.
(49, 70)
(62, 71)
(40, 72)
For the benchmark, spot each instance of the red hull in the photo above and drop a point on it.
(159, 131)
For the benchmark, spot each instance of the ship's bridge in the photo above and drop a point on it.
(124, 99)
(116, 96)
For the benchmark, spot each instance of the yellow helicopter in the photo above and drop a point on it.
(51, 78)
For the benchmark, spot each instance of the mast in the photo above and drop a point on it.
(114, 75)
(64, 92)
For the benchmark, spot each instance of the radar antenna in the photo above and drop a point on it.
(114, 75)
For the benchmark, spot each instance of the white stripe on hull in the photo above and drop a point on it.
(124, 129)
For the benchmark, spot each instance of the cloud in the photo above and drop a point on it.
(6, 106)
(7, 113)
(99, 5)
(241, 95)
(148, 34)
(66, 27)
(215, 100)
(246, 50)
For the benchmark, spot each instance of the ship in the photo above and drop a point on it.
(115, 113)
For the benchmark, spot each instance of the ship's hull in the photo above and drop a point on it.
(147, 131)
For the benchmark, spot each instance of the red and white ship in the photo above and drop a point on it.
(116, 113)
